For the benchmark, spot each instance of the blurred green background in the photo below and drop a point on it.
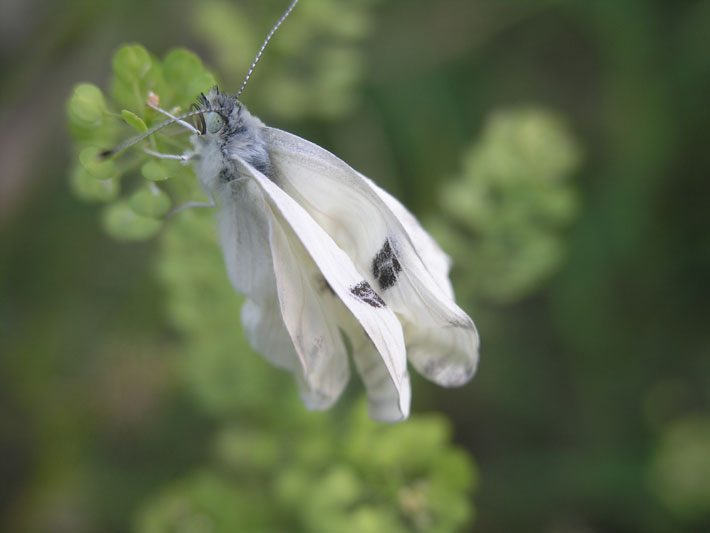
(557, 149)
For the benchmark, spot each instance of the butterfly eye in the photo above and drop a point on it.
(214, 122)
(198, 120)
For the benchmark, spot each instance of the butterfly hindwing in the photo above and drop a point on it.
(283, 316)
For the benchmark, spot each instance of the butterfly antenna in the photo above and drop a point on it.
(263, 46)
(138, 138)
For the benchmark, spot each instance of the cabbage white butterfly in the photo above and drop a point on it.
(319, 249)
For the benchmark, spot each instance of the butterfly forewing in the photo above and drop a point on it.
(382, 238)
(363, 302)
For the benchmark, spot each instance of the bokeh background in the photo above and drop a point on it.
(557, 149)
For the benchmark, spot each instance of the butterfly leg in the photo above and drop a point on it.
(168, 114)
(192, 205)
(184, 158)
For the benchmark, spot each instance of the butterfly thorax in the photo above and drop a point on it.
(229, 133)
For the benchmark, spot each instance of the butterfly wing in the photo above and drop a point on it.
(283, 317)
(434, 258)
(313, 272)
(386, 244)
(243, 229)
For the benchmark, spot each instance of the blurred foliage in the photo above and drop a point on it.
(680, 471)
(507, 209)
(314, 475)
(557, 149)
(315, 65)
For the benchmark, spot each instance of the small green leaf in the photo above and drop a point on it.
(136, 73)
(154, 171)
(180, 65)
(88, 188)
(150, 201)
(87, 106)
(101, 169)
(186, 76)
(200, 83)
(134, 121)
(124, 224)
(131, 62)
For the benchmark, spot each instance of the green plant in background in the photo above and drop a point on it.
(94, 124)
(506, 212)
(680, 470)
(352, 476)
(274, 466)
(314, 65)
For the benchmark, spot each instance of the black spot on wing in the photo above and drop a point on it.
(386, 266)
(364, 292)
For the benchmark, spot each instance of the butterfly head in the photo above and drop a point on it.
(225, 131)
(217, 113)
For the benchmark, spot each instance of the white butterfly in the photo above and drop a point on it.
(319, 249)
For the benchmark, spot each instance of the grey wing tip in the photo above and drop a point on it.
(454, 375)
